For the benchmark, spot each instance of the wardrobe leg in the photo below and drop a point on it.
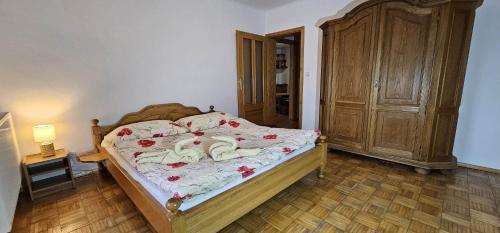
(422, 171)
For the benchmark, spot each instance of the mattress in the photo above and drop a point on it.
(162, 196)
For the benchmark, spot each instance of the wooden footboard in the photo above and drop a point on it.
(218, 212)
(156, 214)
(221, 210)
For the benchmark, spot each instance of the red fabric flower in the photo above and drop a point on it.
(175, 124)
(270, 136)
(146, 143)
(173, 178)
(137, 154)
(178, 196)
(243, 168)
(189, 124)
(222, 122)
(124, 131)
(234, 124)
(245, 171)
(198, 133)
(287, 150)
(197, 142)
(177, 165)
(239, 139)
(157, 135)
(318, 132)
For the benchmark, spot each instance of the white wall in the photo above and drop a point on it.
(66, 62)
(478, 133)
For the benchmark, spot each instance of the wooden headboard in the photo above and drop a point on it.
(171, 112)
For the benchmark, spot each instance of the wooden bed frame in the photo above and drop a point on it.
(219, 211)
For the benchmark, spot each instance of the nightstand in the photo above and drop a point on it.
(47, 175)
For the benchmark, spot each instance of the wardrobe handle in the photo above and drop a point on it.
(377, 84)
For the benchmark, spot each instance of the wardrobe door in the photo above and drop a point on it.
(353, 43)
(402, 79)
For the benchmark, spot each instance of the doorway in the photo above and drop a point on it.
(270, 77)
(288, 78)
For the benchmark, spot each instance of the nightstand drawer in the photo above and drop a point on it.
(51, 182)
(36, 170)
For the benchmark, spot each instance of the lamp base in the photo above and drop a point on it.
(47, 150)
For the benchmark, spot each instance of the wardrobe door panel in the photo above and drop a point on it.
(402, 57)
(352, 69)
(395, 133)
(348, 127)
(351, 72)
(402, 79)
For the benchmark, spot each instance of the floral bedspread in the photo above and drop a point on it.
(185, 181)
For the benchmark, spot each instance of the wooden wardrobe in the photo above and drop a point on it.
(392, 78)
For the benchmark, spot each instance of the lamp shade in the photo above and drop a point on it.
(44, 133)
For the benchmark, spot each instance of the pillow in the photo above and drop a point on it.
(205, 121)
(145, 129)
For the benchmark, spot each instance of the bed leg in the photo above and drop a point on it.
(320, 172)
(176, 218)
(324, 151)
(173, 205)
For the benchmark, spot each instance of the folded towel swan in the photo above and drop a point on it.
(227, 149)
(167, 156)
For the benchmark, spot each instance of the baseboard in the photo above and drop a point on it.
(477, 167)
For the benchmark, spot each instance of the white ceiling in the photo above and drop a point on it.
(265, 4)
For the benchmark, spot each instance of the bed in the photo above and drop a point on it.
(213, 210)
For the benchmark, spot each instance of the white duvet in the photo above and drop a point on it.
(187, 180)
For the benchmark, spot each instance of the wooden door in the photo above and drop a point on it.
(270, 82)
(254, 90)
(402, 79)
(353, 43)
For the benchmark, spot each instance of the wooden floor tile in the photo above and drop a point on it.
(358, 194)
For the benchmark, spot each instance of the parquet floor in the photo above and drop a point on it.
(358, 195)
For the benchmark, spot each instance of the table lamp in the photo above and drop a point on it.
(45, 135)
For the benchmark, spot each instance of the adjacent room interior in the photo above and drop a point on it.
(249, 116)
(288, 81)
